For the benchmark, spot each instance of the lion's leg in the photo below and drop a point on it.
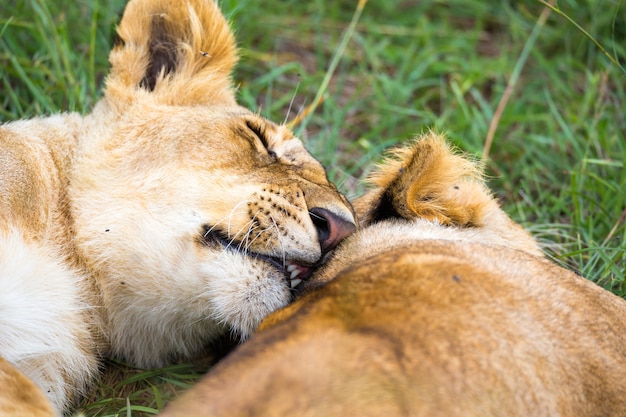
(43, 329)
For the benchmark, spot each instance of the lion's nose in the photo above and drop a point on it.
(331, 229)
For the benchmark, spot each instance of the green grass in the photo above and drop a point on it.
(558, 156)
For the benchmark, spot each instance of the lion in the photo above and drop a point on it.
(440, 305)
(164, 219)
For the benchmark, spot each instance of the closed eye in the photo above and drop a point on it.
(260, 133)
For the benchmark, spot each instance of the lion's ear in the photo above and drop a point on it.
(427, 179)
(181, 52)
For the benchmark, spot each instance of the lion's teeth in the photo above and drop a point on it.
(295, 282)
(294, 273)
(291, 268)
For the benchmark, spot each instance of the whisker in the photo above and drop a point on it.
(280, 240)
(245, 229)
(316, 216)
(227, 218)
(230, 215)
(250, 230)
(259, 235)
(244, 245)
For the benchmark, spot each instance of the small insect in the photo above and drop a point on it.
(204, 54)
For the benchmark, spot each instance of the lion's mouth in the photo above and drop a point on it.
(295, 273)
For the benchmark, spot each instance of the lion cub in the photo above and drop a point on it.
(163, 219)
(439, 306)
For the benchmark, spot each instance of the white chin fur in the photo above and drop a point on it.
(225, 291)
(244, 291)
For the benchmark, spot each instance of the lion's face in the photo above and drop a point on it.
(229, 209)
(198, 215)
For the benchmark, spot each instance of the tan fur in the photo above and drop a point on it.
(20, 397)
(439, 306)
(165, 218)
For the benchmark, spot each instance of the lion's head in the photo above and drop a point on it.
(197, 215)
